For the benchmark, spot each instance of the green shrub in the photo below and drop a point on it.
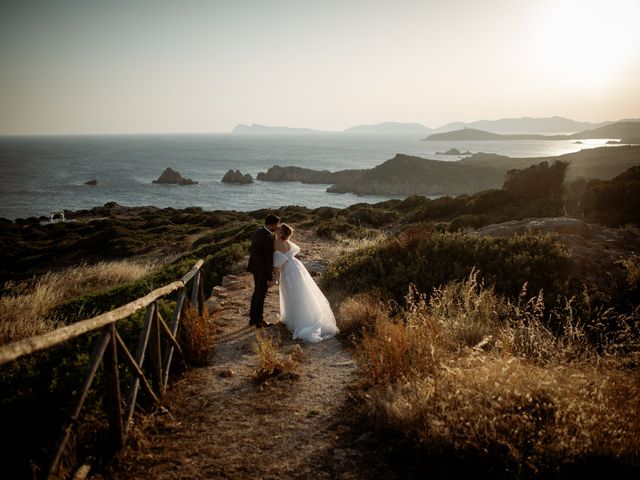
(429, 260)
(614, 202)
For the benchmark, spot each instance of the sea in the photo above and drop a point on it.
(44, 174)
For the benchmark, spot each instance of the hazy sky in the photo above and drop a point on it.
(205, 66)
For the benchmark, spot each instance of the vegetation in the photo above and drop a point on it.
(273, 363)
(613, 202)
(26, 307)
(467, 382)
(430, 259)
(471, 364)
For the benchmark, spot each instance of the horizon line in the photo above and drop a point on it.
(312, 130)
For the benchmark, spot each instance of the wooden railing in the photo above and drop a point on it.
(106, 350)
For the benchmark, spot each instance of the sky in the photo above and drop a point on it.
(136, 66)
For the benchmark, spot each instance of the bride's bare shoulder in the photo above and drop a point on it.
(281, 246)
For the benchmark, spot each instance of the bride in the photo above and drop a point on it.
(303, 308)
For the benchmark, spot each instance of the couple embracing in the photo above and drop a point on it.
(303, 308)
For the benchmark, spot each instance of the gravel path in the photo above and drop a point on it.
(225, 424)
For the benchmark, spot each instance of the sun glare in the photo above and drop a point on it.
(587, 42)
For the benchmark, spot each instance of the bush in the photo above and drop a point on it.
(371, 217)
(537, 181)
(614, 202)
(359, 314)
(195, 336)
(429, 260)
(466, 381)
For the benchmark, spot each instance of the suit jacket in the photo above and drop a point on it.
(261, 255)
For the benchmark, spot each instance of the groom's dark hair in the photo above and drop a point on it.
(271, 219)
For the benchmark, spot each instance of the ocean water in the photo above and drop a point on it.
(39, 175)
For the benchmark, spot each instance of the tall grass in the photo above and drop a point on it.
(25, 307)
(468, 376)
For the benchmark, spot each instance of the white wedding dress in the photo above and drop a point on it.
(303, 307)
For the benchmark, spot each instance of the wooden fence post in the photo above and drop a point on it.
(155, 353)
(201, 296)
(177, 314)
(194, 290)
(114, 401)
(96, 357)
(142, 348)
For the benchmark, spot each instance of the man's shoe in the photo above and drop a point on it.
(264, 324)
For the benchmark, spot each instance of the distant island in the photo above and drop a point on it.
(630, 129)
(264, 129)
(546, 125)
(386, 127)
(455, 152)
(390, 127)
(505, 126)
(410, 175)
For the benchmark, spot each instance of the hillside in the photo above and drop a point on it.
(547, 125)
(626, 129)
(409, 175)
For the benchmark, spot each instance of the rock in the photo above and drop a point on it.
(228, 280)
(93, 182)
(213, 305)
(563, 225)
(219, 291)
(170, 176)
(307, 175)
(454, 151)
(237, 177)
(594, 249)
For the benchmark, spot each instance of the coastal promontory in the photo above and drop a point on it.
(411, 175)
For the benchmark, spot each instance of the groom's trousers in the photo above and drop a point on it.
(260, 287)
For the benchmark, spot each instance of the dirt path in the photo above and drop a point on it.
(228, 425)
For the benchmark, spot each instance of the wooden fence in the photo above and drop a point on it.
(106, 350)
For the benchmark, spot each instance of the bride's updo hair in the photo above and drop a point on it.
(286, 231)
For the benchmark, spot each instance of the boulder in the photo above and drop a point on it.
(170, 176)
(237, 177)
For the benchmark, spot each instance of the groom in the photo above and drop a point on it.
(261, 265)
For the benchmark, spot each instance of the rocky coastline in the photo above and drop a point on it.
(405, 175)
(308, 175)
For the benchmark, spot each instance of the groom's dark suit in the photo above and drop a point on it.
(261, 265)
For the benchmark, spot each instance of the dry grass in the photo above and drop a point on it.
(24, 309)
(359, 314)
(195, 336)
(468, 375)
(272, 363)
